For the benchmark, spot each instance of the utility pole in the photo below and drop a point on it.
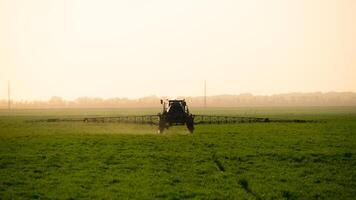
(8, 95)
(204, 93)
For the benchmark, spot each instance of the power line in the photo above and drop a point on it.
(9, 95)
(204, 93)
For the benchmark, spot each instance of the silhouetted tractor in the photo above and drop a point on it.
(175, 112)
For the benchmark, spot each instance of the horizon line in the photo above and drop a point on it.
(177, 97)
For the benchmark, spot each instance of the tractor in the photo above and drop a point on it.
(175, 112)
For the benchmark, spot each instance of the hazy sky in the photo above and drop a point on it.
(133, 48)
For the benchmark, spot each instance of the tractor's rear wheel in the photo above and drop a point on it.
(190, 123)
(161, 125)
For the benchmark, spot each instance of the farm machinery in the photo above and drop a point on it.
(176, 112)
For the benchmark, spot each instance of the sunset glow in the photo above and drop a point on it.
(73, 48)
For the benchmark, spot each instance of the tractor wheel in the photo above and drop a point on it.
(161, 125)
(190, 124)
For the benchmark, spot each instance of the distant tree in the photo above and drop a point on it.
(56, 101)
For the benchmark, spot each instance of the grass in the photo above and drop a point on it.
(74, 160)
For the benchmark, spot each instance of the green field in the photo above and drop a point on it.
(76, 160)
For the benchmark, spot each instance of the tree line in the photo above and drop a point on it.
(241, 100)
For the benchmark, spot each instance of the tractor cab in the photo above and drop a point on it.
(177, 107)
